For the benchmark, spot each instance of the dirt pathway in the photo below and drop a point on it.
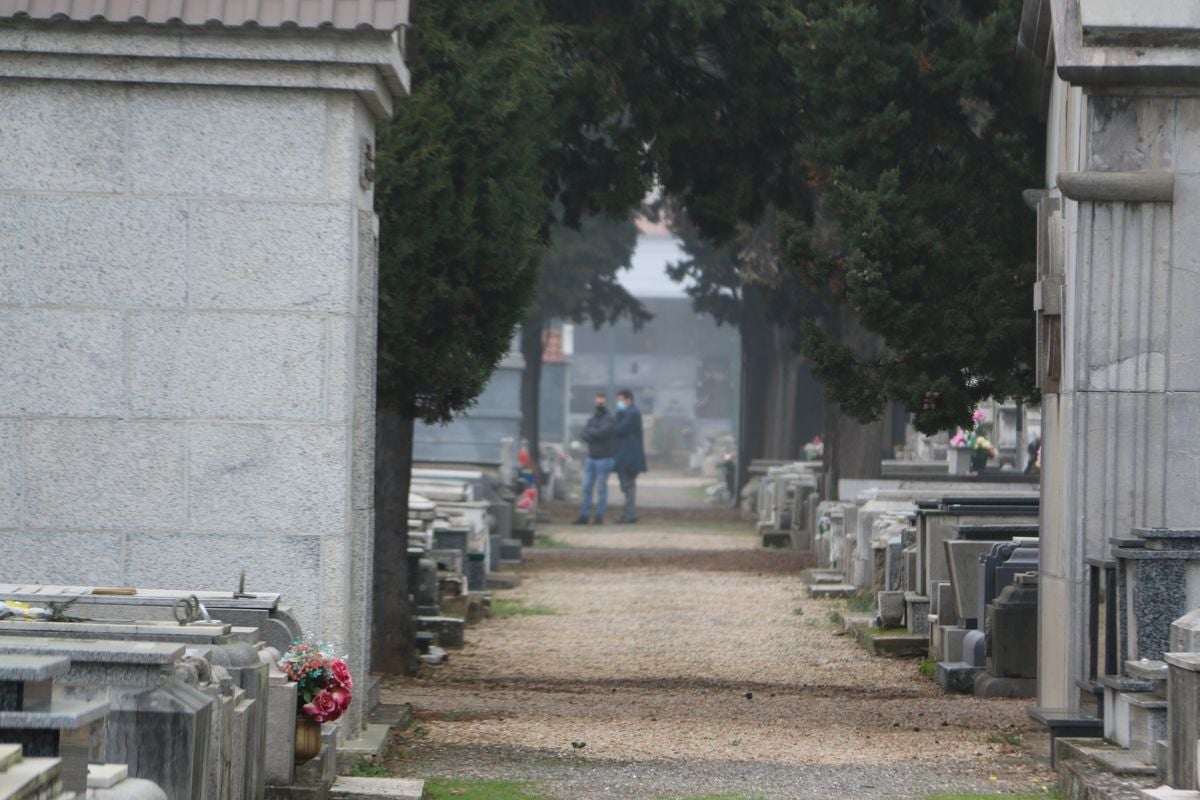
(672, 659)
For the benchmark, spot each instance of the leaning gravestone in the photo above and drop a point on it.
(188, 297)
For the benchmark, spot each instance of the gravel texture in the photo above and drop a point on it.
(687, 665)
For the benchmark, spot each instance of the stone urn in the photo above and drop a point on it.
(308, 738)
(959, 459)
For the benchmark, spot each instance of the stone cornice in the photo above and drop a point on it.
(1118, 187)
(365, 62)
(1120, 55)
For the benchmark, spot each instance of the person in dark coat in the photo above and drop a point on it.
(630, 458)
(601, 437)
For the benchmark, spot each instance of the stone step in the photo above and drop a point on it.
(832, 590)
(503, 580)
(31, 778)
(9, 754)
(346, 788)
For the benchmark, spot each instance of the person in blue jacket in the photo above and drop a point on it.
(601, 437)
(630, 459)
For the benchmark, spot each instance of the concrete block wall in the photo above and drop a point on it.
(187, 327)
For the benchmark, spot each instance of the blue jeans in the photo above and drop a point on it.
(595, 470)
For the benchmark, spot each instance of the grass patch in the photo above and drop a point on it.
(859, 604)
(543, 540)
(928, 667)
(1051, 793)
(836, 619)
(517, 607)
(442, 789)
(366, 768)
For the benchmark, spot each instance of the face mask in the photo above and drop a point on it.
(621, 405)
(600, 407)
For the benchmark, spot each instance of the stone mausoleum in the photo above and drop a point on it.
(1118, 302)
(188, 296)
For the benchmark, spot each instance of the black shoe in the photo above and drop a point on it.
(598, 521)
(580, 521)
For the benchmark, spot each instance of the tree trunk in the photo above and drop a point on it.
(393, 636)
(782, 405)
(532, 349)
(852, 449)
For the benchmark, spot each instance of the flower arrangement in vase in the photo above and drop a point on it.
(975, 442)
(323, 685)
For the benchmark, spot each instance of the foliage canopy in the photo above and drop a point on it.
(462, 203)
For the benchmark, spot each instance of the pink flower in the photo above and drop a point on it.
(341, 673)
(342, 697)
(323, 708)
(979, 416)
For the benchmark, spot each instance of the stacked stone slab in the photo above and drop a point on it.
(23, 778)
(785, 504)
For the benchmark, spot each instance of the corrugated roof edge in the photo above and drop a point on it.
(346, 15)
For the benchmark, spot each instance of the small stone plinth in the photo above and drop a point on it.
(956, 676)
(917, 614)
(1183, 698)
(448, 630)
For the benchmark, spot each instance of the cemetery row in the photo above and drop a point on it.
(951, 568)
(200, 695)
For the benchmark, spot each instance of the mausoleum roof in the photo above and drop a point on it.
(380, 15)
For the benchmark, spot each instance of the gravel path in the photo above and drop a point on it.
(690, 663)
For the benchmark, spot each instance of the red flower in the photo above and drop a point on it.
(341, 673)
(341, 696)
(323, 708)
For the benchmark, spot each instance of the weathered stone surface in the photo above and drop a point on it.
(96, 473)
(55, 362)
(227, 366)
(290, 257)
(87, 151)
(958, 677)
(891, 609)
(346, 788)
(107, 251)
(268, 477)
(248, 143)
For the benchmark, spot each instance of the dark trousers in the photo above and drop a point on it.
(629, 489)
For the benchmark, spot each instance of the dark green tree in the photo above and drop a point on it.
(917, 149)
(579, 283)
(461, 198)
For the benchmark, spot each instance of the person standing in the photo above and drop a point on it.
(630, 458)
(601, 437)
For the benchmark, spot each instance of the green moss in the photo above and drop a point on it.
(543, 540)
(366, 768)
(860, 603)
(928, 667)
(1049, 793)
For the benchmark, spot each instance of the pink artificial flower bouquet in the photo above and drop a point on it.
(323, 680)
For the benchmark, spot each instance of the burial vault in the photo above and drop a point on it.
(188, 296)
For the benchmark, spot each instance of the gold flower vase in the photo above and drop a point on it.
(308, 738)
